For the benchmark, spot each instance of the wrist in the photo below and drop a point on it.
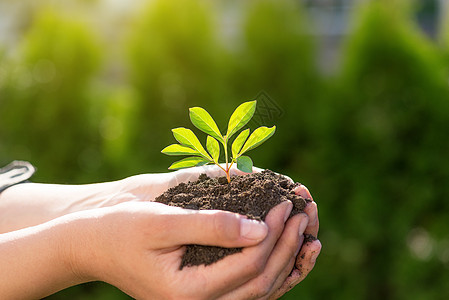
(39, 258)
(79, 246)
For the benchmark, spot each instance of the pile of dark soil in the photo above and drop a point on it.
(252, 195)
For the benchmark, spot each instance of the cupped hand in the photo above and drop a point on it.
(148, 186)
(137, 247)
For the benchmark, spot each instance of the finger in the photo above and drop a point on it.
(314, 225)
(311, 210)
(282, 283)
(307, 258)
(279, 264)
(206, 227)
(288, 284)
(292, 240)
(229, 273)
(275, 292)
(306, 261)
(303, 191)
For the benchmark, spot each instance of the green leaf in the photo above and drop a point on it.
(238, 142)
(240, 117)
(245, 164)
(213, 147)
(186, 137)
(188, 162)
(259, 136)
(203, 121)
(177, 149)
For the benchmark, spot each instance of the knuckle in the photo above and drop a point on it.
(256, 268)
(262, 287)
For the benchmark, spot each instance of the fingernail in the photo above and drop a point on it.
(311, 210)
(314, 219)
(288, 211)
(303, 225)
(252, 229)
(303, 192)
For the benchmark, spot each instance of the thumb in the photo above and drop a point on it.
(213, 228)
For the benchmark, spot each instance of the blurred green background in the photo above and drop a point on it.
(359, 91)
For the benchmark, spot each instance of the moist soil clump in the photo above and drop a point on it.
(252, 195)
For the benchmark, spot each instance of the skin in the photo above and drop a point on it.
(113, 232)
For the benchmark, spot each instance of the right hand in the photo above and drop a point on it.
(137, 247)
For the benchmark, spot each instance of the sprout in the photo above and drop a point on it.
(198, 156)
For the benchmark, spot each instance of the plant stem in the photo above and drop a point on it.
(228, 177)
(221, 167)
(226, 153)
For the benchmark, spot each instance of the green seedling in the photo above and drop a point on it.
(198, 156)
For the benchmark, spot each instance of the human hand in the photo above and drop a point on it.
(137, 246)
(305, 260)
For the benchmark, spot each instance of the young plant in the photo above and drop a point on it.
(198, 156)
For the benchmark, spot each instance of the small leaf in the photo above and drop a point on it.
(203, 121)
(238, 142)
(188, 162)
(213, 147)
(245, 164)
(240, 117)
(259, 136)
(186, 137)
(177, 149)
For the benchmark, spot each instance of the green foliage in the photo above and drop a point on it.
(47, 107)
(245, 164)
(370, 140)
(187, 138)
(189, 143)
(381, 161)
(277, 56)
(203, 121)
(175, 61)
(240, 117)
(238, 142)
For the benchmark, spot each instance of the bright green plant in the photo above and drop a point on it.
(190, 145)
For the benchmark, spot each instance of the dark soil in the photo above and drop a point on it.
(252, 195)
